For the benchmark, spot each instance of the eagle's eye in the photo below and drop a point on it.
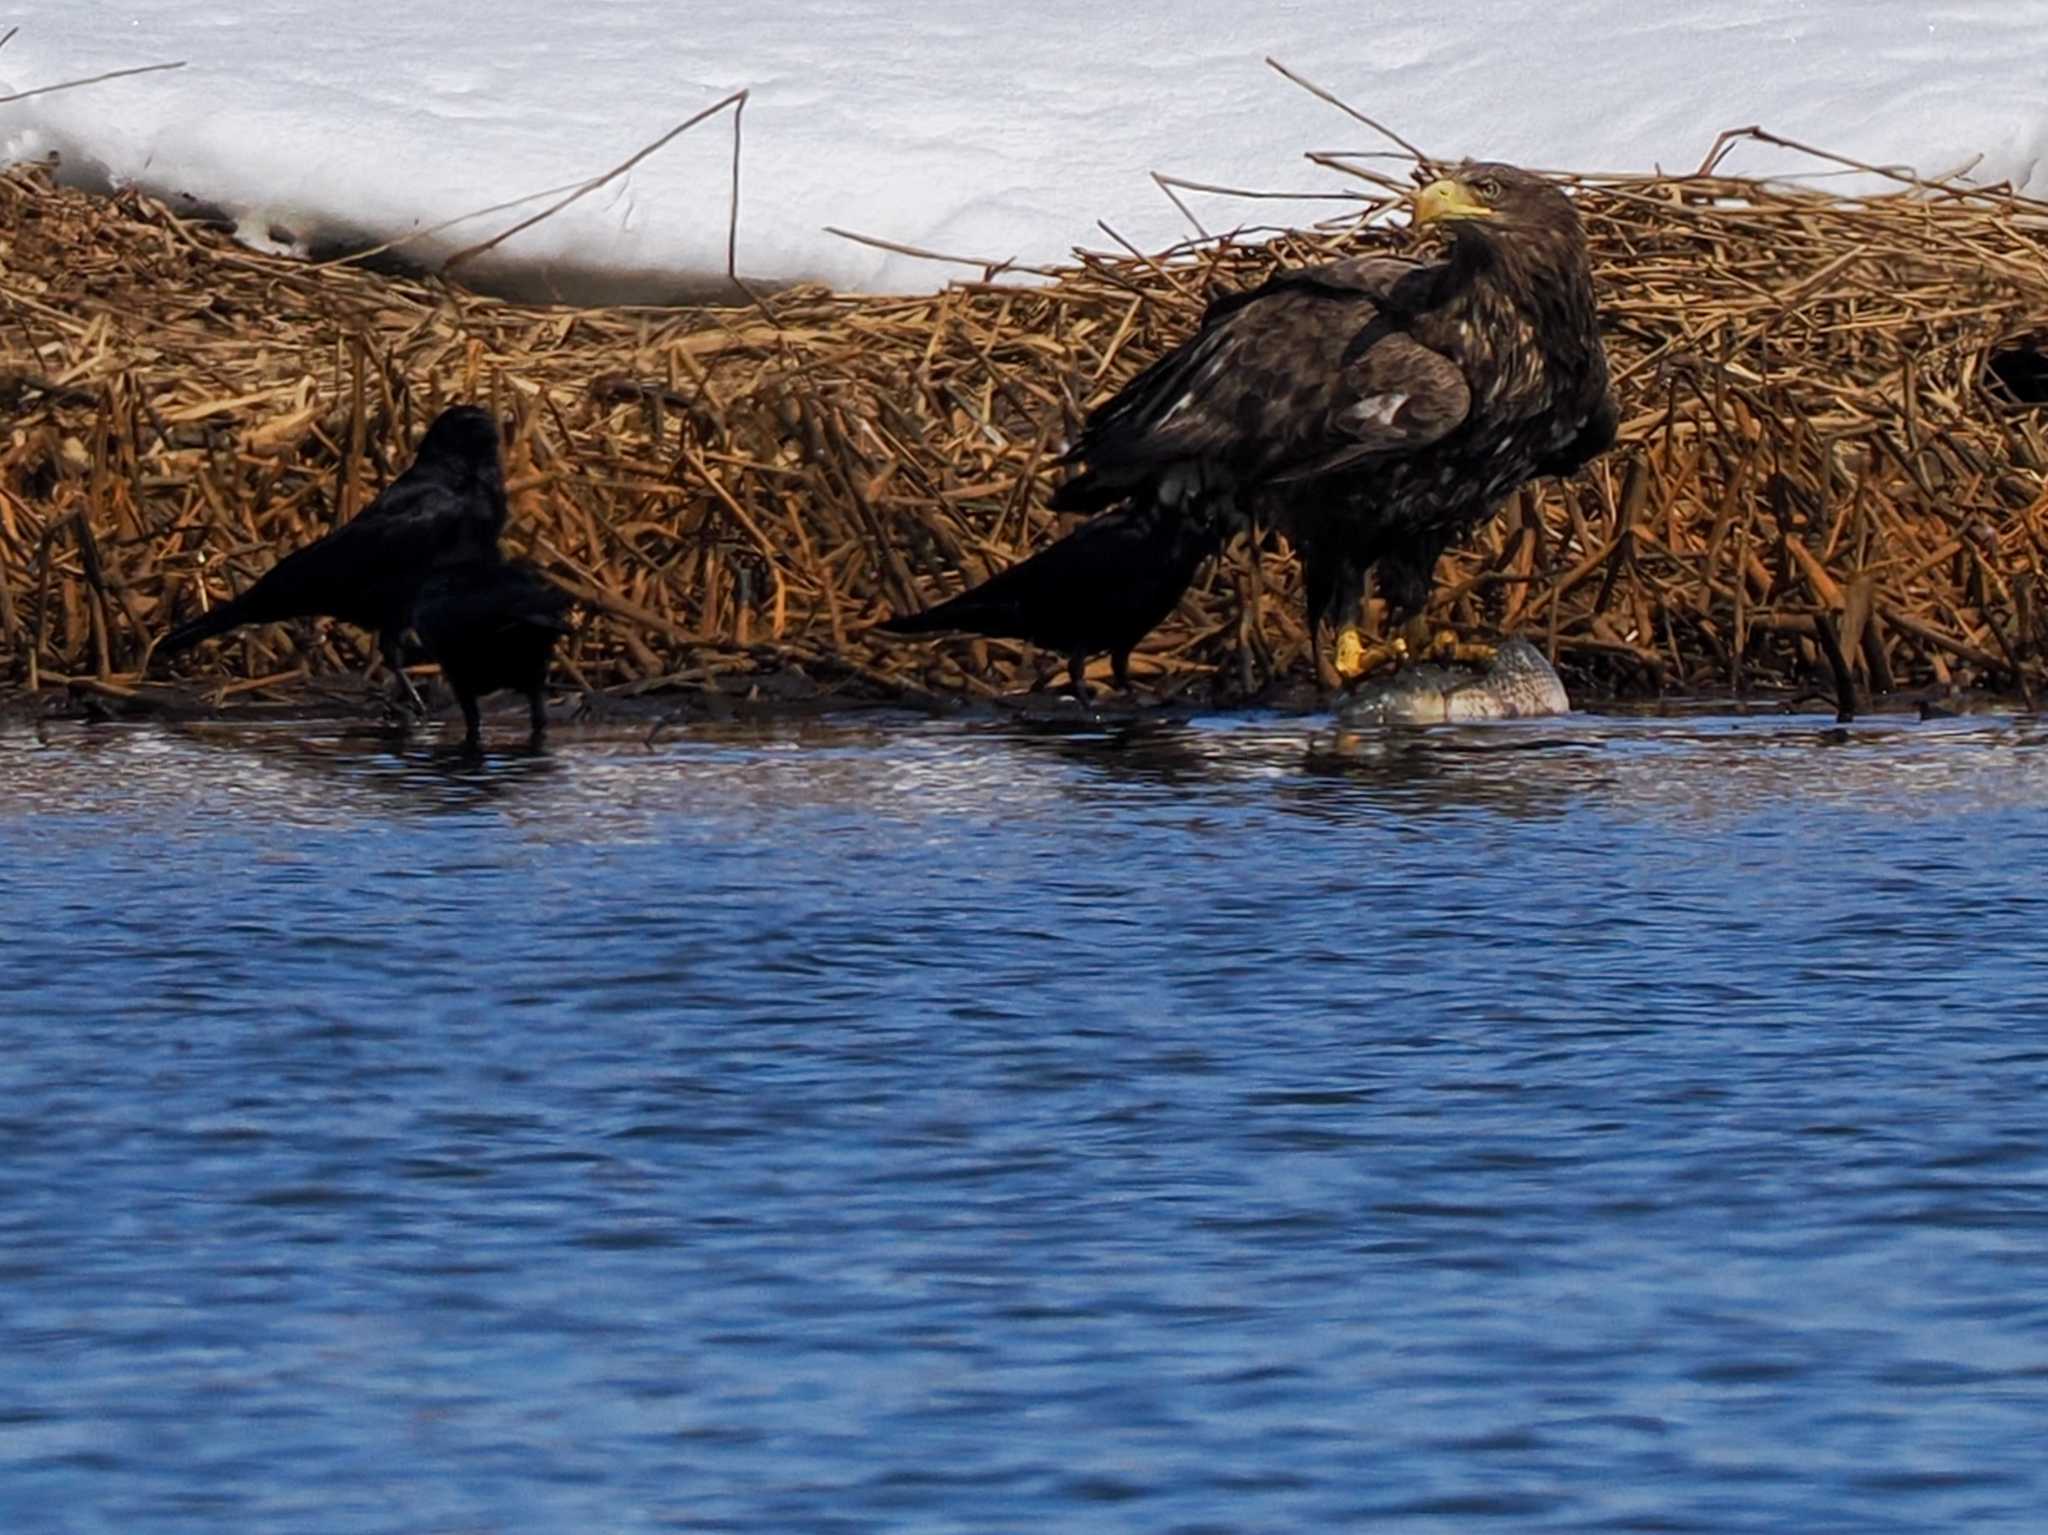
(1488, 187)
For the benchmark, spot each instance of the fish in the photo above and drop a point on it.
(1518, 684)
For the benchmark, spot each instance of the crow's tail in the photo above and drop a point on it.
(221, 619)
(930, 621)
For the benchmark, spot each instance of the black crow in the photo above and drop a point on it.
(1105, 586)
(450, 505)
(492, 624)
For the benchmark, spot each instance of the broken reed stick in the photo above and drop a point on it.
(72, 85)
(1345, 107)
(737, 101)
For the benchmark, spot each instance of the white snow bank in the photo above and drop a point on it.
(995, 131)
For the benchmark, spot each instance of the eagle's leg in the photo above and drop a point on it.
(1443, 645)
(1448, 648)
(1337, 593)
(1416, 636)
(1355, 658)
(537, 716)
(1409, 574)
(1255, 616)
(1249, 594)
(1316, 577)
(1351, 657)
(1351, 650)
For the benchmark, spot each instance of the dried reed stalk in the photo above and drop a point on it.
(1817, 479)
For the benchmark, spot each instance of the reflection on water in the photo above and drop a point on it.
(883, 1125)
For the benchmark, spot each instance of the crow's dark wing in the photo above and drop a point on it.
(384, 555)
(366, 572)
(479, 599)
(448, 507)
(1101, 587)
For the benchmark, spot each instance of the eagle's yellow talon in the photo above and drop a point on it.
(1456, 652)
(1350, 657)
(1445, 648)
(1355, 658)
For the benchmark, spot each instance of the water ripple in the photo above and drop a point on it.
(880, 1125)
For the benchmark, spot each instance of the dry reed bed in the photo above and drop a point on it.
(1811, 456)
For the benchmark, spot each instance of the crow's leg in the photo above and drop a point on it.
(393, 649)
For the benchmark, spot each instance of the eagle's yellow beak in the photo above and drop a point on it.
(1447, 199)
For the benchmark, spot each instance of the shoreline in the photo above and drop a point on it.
(786, 697)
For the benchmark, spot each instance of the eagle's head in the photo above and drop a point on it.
(1486, 198)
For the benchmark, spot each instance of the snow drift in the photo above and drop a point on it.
(992, 132)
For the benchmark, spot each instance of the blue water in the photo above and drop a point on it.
(1604, 1125)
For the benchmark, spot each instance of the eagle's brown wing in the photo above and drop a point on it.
(1308, 374)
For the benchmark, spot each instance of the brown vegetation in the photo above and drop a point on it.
(1818, 453)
